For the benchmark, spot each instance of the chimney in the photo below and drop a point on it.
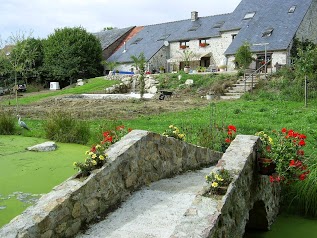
(194, 15)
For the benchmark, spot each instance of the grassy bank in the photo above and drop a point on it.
(91, 85)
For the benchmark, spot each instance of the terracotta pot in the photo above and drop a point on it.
(221, 190)
(266, 166)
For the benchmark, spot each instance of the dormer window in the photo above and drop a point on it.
(194, 27)
(136, 41)
(218, 24)
(267, 32)
(292, 9)
(249, 15)
(163, 37)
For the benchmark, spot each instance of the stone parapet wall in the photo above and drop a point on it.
(138, 159)
(251, 200)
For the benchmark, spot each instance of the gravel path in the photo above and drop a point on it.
(154, 211)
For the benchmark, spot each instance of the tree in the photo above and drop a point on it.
(139, 63)
(243, 56)
(71, 53)
(306, 63)
(27, 56)
(108, 28)
(111, 65)
(187, 56)
(4, 66)
(298, 44)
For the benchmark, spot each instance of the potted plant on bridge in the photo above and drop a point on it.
(266, 164)
(219, 181)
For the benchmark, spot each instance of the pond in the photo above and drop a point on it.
(26, 175)
(290, 226)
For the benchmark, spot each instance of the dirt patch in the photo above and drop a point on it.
(110, 109)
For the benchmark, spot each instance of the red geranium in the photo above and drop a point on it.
(289, 156)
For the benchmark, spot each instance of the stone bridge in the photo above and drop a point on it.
(137, 161)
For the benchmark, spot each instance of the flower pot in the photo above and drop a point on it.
(209, 96)
(224, 147)
(186, 70)
(266, 166)
(221, 190)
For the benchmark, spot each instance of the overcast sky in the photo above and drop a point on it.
(41, 17)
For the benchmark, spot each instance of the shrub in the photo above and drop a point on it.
(7, 123)
(62, 127)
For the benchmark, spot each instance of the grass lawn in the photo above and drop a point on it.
(25, 175)
(92, 85)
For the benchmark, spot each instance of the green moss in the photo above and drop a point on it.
(31, 173)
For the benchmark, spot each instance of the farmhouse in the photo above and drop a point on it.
(270, 27)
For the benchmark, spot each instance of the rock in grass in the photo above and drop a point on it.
(43, 147)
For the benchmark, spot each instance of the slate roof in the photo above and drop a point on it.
(151, 38)
(108, 37)
(268, 14)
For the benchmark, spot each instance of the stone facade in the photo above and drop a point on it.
(214, 51)
(308, 27)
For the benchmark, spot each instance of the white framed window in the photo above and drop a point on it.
(249, 15)
(292, 9)
(183, 44)
(267, 32)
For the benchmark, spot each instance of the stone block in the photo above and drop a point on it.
(43, 147)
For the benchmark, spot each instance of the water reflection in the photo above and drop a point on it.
(289, 226)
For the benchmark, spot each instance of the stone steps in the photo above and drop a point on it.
(239, 88)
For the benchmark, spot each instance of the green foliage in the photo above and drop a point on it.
(7, 125)
(203, 84)
(72, 53)
(63, 127)
(278, 88)
(303, 45)
(111, 65)
(303, 194)
(96, 156)
(187, 56)
(175, 132)
(243, 56)
(138, 61)
(306, 63)
(221, 177)
(24, 57)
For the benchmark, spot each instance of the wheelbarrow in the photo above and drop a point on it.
(164, 94)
